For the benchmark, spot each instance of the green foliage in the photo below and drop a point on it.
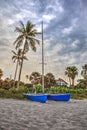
(47, 90)
(22, 89)
(82, 83)
(38, 88)
(18, 93)
(13, 93)
(2, 92)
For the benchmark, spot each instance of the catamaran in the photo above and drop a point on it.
(42, 98)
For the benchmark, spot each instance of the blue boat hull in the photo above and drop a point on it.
(59, 97)
(38, 98)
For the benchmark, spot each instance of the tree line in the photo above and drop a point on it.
(49, 79)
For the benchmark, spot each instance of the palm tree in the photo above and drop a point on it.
(51, 78)
(68, 73)
(17, 57)
(35, 77)
(84, 71)
(82, 83)
(1, 73)
(26, 37)
(72, 72)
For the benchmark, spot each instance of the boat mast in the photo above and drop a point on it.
(42, 61)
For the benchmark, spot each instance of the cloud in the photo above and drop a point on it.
(75, 43)
(65, 33)
(48, 17)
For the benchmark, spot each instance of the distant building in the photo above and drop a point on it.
(61, 82)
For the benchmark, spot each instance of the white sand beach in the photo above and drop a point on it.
(28, 115)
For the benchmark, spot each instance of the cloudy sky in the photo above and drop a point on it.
(65, 34)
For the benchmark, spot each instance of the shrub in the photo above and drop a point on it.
(18, 93)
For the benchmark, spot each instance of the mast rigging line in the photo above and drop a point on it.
(42, 61)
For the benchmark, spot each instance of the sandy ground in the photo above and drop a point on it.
(28, 115)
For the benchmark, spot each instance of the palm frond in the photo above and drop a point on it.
(26, 46)
(36, 40)
(33, 48)
(19, 30)
(19, 44)
(29, 26)
(19, 52)
(14, 59)
(32, 44)
(34, 33)
(20, 37)
(25, 58)
(22, 26)
(14, 52)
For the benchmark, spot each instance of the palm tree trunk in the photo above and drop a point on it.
(15, 74)
(21, 66)
(20, 73)
(49, 81)
(72, 83)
